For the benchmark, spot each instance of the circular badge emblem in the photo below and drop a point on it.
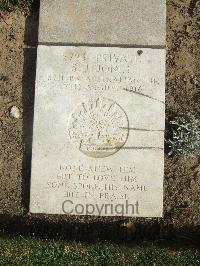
(98, 128)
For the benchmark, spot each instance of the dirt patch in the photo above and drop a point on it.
(17, 72)
(11, 73)
(182, 176)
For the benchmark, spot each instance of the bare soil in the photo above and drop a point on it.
(18, 42)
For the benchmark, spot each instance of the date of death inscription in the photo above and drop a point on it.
(101, 73)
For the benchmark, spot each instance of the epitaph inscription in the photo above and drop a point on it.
(98, 131)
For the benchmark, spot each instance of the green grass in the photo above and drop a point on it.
(33, 251)
(10, 4)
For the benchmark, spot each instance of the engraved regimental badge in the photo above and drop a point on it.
(98, 128)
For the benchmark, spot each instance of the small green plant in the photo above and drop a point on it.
(185, 134)
(10, 4)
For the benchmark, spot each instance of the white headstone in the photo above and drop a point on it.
(98, 142)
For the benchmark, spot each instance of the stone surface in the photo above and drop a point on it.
(117, 22)
(98, 131)
(15, 112)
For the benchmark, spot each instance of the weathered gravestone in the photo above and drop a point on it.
(98, 142)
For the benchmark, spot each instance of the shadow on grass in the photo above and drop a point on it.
(58, 227)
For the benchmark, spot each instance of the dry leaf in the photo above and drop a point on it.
(6, 17)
